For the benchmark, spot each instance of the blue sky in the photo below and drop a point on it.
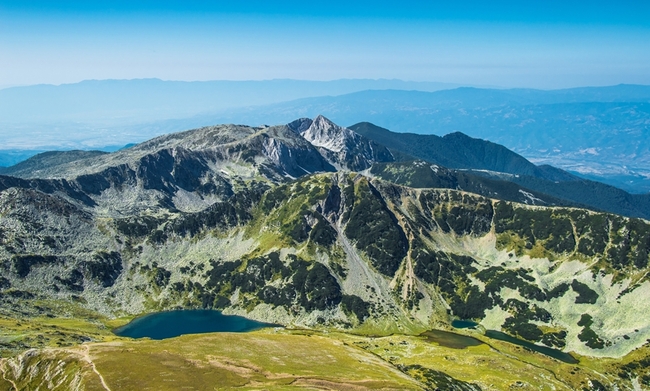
(551, 44)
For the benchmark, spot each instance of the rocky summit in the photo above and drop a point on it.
(317, 228)
(345, 149)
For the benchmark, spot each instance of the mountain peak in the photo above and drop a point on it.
(341, 146)
(326, 134)
(323, 121)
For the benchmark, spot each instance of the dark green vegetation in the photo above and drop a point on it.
(633, 368)
(522, 231)
(630, 244)
(105, 268)
(554, 230)
(629, 239)
(451, 211)
(587, 335)
(221, 215)
(22, 264)
(309, 285)
(375, 229)
(519, 323)
(449, 273)
(585, 294)
(356, 305)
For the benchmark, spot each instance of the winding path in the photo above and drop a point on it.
(86, 356)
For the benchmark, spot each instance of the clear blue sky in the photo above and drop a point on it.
(548, 44)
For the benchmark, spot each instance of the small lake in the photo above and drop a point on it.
(170, 324)
(450, 340)
(463, 324)
(457, 341)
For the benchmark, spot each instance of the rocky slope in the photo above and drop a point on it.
(214, 218)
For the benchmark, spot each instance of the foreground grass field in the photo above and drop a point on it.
(261, 360)
(279, 359)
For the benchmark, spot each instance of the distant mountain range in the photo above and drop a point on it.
(461, 162)
(108, 114)
(139, 100)
(598, 133)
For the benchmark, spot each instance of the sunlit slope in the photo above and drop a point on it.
(218, 361)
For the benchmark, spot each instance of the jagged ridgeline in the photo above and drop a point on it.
(293, 225)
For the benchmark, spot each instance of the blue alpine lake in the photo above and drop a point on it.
(169, 324)
(463, 324)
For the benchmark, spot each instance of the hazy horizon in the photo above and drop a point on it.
(502, 44)
(444, 85)
(449, 85)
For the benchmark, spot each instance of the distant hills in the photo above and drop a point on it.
(45, 161)
(457, 150)
(139, 100)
